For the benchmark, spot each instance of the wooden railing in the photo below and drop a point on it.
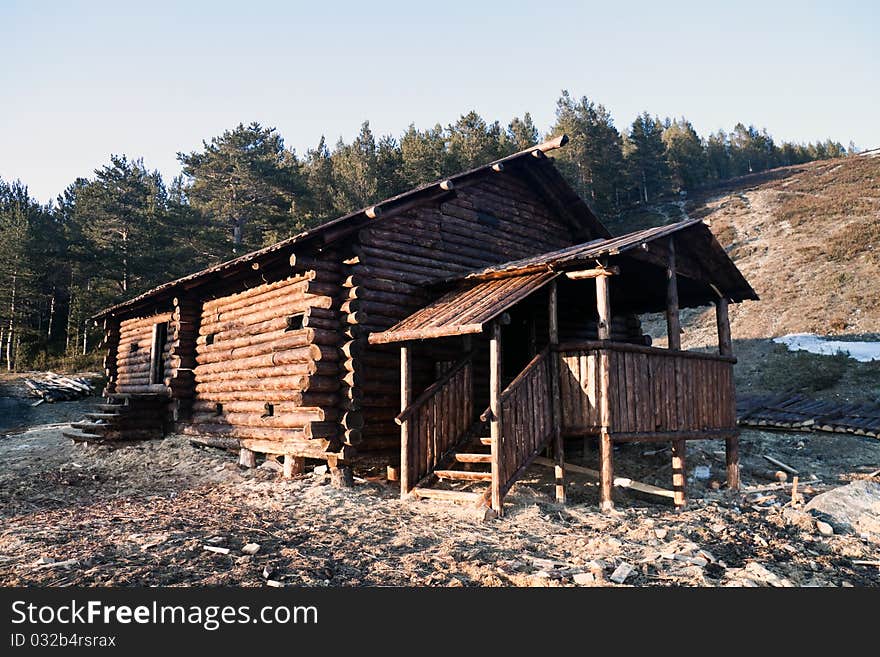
(652, 392)
(435, 422)
(526, 422)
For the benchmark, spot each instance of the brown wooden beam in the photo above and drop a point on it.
(558, 442)
(405, 401)
(722, 321)
(495, 408)
(673, 325)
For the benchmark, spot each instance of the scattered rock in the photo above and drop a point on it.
(268, 571)
(275, 583)
(455, 582)
(661, 533)
(621, 573)
(44, 561)
(702, 472)
(856, 506)
(584, 579)
(321, 470)
(824, 528)
(270, 465)
(217, 550)
(251, 548)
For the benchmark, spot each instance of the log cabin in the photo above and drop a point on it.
(456, 332)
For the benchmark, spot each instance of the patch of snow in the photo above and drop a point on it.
(860, 351)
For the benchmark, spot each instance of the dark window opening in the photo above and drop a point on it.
(295, 322)
(487, 219)
(218, 409)
(157, 363)
(133, 348)
(270, 410)
(209, 339)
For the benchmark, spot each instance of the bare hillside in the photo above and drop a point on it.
(808, 239)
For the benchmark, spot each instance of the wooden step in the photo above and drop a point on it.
(109, 407)
(466, 457)
(447, 495)
(103, 416)
(463, 474)
(91, 427)
(485, 440)
(79, 436)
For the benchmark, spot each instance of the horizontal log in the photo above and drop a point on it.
(289, 383)
(282, 307)
(362, 279)
(310, 399)
(304, 261)
(248, 296)
(220, 429)
(264, 355)
(141, 322)
(255, 374)
(639, 349)
(258, 408)
(285, 421)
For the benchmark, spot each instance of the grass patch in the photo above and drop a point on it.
(802, 371)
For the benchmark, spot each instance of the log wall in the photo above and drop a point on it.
(266, 364)
(495, 220)
(133, 355)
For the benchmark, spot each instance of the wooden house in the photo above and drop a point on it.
(462, 327)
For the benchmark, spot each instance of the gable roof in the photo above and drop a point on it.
(532, 162)
(481, 296)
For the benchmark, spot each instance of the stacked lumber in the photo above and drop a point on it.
(53, 387)
(797, 411)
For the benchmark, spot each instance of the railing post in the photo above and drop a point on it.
(722, 321)
(495, 408)
(405, 401)
(558, 442)
(603, 305)
(673, 326)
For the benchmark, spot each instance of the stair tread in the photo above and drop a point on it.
(473, 457)
(109, 407)
(463, 474)
(84, 426)
(103, 416)
(448, 495)
(486, 440)
(79, 435)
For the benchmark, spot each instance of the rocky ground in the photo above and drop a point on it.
(147, 513)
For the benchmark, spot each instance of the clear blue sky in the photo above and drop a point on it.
(82, 80)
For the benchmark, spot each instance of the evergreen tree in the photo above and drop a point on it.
(247, 180)
(646, 158)
(521, 134)
(356, 171)
(472, 142)
(688, 162)
(424, 156)
(592, 162)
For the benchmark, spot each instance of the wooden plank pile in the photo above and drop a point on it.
(54, 387)
(796, 411)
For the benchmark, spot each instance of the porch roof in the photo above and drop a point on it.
(466, 309)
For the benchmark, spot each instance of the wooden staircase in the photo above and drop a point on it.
(464, 475)
(122, 417)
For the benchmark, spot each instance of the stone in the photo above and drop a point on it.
(274, 583)
(621, 573)
(321, 470)
(855, 507)
(661, 533)
(217, 550)
(251, 548)
(824, 528)
(702, 472)
(584, 579)
(271, 466)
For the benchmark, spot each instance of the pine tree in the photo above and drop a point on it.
(646, 158)
(521, 134)
(472, 142)
(247, 180)
(356, 171)
(424, 155)
(685, 154)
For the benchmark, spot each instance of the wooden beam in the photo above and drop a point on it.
(405, 401)
(722, 321)
(495, 408)
(558, 442)
(592, 273)
(673, 325)
(732, 453)
(619, 482)
(603, 305)
(679, 473)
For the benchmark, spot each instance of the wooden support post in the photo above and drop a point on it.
(603, 305)
(732, 445)
(606, 467)
(293, 465)
(405, 401)
(725, 344)
(679, 474)
(495, 408)
(606, 471)
(247, 458)
(673, 326)
(558, 442)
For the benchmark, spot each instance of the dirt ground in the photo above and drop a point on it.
(142, 514)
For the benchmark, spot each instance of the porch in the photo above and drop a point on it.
(526, 381)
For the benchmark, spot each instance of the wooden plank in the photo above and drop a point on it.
(673, 325)
(447, 495)
(495, 408)
(619, 482)
(406, 465)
